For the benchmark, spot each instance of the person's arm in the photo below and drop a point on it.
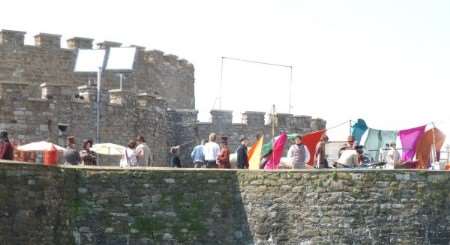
(307, 155)
(290, 152)
(193, 153)
(2, 150)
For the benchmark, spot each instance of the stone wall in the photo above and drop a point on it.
(56, 205)
(154, 72)
(58, 113)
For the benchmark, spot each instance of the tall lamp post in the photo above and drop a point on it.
(98, 60)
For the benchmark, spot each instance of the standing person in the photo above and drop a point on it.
(175, 161)
(87, 156)
(211, 151)
(383, 153)
(129, 157)
(223, 159)
(241, 152)
(392, 157)
(320, 160)
(298, 154)
(6, 149)
(198, 158)
(143, 152)
(71, 154)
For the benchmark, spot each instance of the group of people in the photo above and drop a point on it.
(214, 155)
(353, 155)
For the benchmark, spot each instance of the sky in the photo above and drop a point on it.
(384, 61)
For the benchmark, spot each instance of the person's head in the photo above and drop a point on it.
(87, 144)
(243, 140)
(298, 139)
(131, 144)
(173, 150)
(3, 135)
(212, 137)
(359, 149)
(224, 141)
(140, 139)
(350, 141)
(387, 145)
(324, 138)
(71, 141)
(393, 145)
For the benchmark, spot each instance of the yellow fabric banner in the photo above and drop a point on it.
(255, 158)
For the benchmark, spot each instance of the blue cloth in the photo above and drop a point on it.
(358, 130)
(197, 154)
(377, 139)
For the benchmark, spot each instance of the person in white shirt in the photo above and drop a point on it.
(143, 152)
(298, 154)
(383, 153)
(392, 157)
(211, 151)
(129, 157)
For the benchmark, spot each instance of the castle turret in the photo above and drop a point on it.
(45, 40)
(80, 42)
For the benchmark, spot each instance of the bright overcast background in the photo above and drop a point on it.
(385, 61)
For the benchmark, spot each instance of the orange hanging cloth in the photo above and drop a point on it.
(311, 140)
(424, 146)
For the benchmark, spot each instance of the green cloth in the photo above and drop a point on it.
(267, 148)
(377, 139)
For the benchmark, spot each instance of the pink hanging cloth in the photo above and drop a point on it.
(278, 147)
(409, 139)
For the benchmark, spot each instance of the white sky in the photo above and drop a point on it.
(385, 61)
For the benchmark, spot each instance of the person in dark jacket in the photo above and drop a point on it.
(6, 149)
(88, 157)
(71, 154)
(175, 161)
(241, 152)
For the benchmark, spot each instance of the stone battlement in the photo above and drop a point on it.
(155, 72)
(16, 39)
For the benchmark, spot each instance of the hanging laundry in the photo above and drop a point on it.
(255, 158)
(358, 130)
(377, 139)
(278, 147)
(311, 140)
(425, 144)
(409, 139)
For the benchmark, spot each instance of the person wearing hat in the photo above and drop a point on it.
(223, 159)
(241, 152)
(6, 149)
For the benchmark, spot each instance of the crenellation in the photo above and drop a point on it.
(254, 118)
(317, 124)
(108, 44)
(46, 40)
(57, 91)
(12, 38)
(12, 90)
(122, 97)
(80, 43)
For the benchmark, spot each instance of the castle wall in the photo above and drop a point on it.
(46, 62)
(123, 116)
(73, 205)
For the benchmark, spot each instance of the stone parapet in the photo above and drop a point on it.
(45, 40)
(80, 43)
